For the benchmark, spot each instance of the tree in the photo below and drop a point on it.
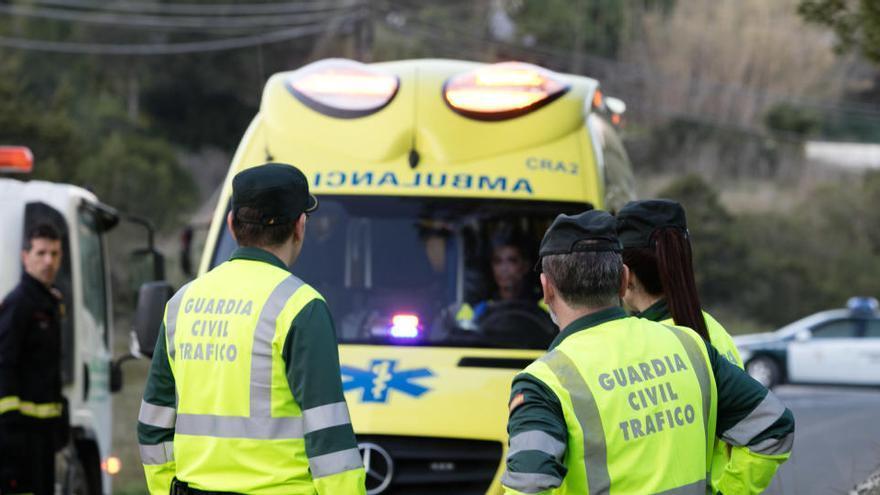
(856, 23)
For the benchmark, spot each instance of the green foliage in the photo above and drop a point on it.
(85, 136)
(587, 26)
(42, 124)
(855, 23)
(139, 175)
(717, 249)
(790, 119)
(776, 267)
(685, 143)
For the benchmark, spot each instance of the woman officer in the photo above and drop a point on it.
(657, 250)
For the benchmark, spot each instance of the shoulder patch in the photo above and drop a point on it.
(517, 401)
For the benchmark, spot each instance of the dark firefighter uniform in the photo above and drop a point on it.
(624, 405)
(244, 393)
(30, 387)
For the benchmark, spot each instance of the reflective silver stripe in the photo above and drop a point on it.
(536, 440)
(171, 311)
(774, 446)
(261, 353)
(238, 426)
(587, 413)
(157, 454)
(326, 416)
(701, 369)
(259, 424)
(153, 415)
(762, 417)
(530, 482)
(335, 463)
(697, 488)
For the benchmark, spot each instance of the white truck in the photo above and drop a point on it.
(89, 371)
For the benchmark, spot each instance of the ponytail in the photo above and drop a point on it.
(676, 273)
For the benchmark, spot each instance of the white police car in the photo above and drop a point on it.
(839, 346)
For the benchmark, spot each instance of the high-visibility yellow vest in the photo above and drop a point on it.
(237, 423)
(639, 400)
(721, 340)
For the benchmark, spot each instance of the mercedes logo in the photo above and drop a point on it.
(379, 467)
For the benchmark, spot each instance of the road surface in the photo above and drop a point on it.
(837, 439)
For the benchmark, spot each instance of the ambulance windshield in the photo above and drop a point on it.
(428, 271)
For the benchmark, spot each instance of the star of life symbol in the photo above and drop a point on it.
(381, 377)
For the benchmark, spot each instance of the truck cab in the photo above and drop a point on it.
(89, 372)
(436, 180)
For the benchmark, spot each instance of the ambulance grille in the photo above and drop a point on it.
(427, 466)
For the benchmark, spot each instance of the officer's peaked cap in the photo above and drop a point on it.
(592, 230)
(638, 220)
(277, 191)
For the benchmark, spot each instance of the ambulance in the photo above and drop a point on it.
(90, 373)
(423, 168)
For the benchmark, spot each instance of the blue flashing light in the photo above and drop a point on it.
(404, 326)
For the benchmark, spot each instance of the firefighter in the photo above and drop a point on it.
(31, 405)
(244, 394)
(625, 405)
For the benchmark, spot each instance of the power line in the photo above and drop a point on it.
(179, 22)
(193, 8)
(162, 48)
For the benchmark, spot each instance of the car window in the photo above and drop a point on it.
(872, 330)
(838, 329)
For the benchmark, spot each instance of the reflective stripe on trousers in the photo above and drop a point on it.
(259, 424)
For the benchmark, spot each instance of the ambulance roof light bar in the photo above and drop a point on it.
(343, 88)
(16, 159)
(503, 90)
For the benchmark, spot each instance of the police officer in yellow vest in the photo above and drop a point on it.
(244, 393)
(623, 405)
(662, 286)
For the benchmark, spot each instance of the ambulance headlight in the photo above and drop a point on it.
(343, 88)
(502, 91)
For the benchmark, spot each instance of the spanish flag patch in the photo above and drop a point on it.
(517, 401)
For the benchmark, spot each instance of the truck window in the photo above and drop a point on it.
(428, 271)
(91, 259)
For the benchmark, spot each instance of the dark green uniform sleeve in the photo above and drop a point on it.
(537, 438)
(311, 359)
(158, 409)
(156, 421)
(748, 414)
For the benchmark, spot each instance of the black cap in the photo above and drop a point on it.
(567, 232)
(279, 192)
(638, 220)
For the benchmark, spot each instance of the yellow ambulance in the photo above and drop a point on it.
(436, 180)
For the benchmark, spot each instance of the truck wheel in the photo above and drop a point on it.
(77, 471)
(70, 474)
(765, 370)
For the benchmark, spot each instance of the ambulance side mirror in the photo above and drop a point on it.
(148, 315)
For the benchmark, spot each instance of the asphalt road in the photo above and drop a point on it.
(837, 439)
